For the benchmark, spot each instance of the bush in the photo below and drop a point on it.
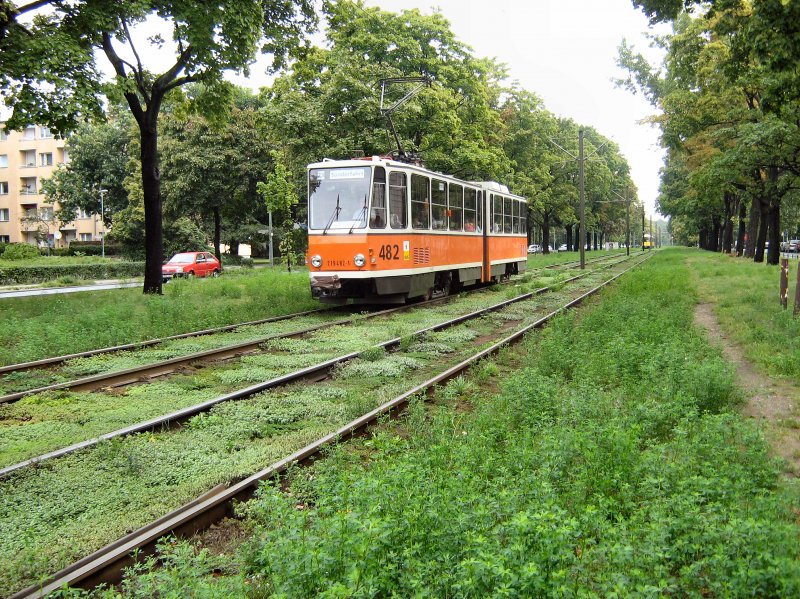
(92, 248)
(20, 251)
(39, 274)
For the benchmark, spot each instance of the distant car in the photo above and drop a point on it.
(534, 249)
(793, 246)
(562, 247)
(191, 264)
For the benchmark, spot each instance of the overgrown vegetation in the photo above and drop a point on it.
(135, 479)
(611, 463)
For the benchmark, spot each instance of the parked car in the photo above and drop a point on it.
(534, 249)
(793, 246)
(191, 264)
(562, 247)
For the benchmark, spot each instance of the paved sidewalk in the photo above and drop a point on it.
(34, 290)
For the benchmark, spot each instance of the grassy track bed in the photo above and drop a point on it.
(52, 514)
(745, 298)
(122, 360)
(47, 421)
(54, 325)
(611, 461)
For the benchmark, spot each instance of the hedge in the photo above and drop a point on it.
(16, 275)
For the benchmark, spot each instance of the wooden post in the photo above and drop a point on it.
(784, 282)
(797, 292)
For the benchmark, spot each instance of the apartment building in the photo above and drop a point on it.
(27, 158)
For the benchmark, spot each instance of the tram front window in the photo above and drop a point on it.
(338, 197)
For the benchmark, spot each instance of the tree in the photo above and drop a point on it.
(328, 105)
(98, 159)
(210, 170)
(209, 39)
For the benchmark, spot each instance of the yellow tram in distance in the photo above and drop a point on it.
(385, 231)
(648, 242)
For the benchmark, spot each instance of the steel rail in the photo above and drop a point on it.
(45, 362)
(106, 564)
(316, 372)
(136, 373)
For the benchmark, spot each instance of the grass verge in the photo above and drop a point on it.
(745, 298)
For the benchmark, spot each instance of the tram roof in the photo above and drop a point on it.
(491, 186)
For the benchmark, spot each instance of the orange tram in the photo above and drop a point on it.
(383, 231)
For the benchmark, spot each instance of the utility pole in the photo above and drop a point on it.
(628, 224)
(582, 224)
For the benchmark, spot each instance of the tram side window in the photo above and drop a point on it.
(420, 202)
(439, 204)
(515, 213)
(377, 216)
(479, 219)
(470, 220)
(497, 214)
(455, 207)
(398, 192)
(507, 215)
(523, 217)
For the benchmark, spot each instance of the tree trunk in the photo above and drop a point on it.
(763, 225)
(233, 247)
(727, 234)
(569, 238)
(752, 229)
(741, 233)
(774, 218)
(217, 234)
(151, 188)
(774, 250)
(702, 240)
(546, 234)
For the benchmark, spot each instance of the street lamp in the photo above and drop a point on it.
(102, 220)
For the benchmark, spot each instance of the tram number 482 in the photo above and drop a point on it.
(389, 252)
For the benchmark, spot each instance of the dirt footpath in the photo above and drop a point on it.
(774, 403)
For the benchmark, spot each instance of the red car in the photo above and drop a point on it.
(191, 264)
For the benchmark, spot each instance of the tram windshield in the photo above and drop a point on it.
(338, 197)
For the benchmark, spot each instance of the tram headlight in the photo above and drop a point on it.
(316, 260)
(359, 260)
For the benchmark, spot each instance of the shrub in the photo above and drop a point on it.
(20, 251)
(40, 274)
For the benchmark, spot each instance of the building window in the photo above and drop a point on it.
(4, 215)
(29, 133)
(47, 213)
(29, 158)
(45, 133)
(3, 160)
(28, 186)
(5, 238)
(46, 159)
(3, 188)
(86, 236)
(83, 214)
(3, 132)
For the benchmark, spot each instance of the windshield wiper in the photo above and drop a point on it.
(334, 216)
(362, 214)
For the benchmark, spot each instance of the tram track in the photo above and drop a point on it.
(315, 372)
(162, 367)
(149, 343)
(105, 564)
